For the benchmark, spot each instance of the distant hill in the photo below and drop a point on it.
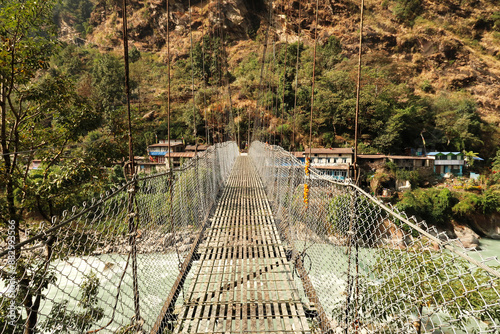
(434, 47)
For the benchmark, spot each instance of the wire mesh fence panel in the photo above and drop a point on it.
(109, 265)
(365, 267)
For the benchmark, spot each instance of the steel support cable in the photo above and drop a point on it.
(192, 75)
(284, 74)
(299, 33)
(132, 222)
(269, 88)
(221, 128)
(259, 98)
(313, 77)
(358, 89)
(225, 80)
(405, 220)
(170, 166)
(195, 158)
(207, 130)
(271, 68)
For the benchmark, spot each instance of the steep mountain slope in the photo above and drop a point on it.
(438, 46)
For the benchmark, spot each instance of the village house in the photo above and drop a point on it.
(334, 162)
(159, 153)
(199, 148)
(448, 162)
(371, 162)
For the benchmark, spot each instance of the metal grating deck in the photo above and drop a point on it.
(243, 281)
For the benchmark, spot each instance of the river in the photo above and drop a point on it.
(157, 273)
(489, 249)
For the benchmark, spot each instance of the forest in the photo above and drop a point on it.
(63, 102)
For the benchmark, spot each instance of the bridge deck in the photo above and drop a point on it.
(243, 281)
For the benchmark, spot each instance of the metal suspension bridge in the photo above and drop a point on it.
(232, 243)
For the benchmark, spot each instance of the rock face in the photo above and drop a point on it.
(467, 236)
(489, 225)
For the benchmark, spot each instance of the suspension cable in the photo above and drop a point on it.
(225, 72)
(168, 89)
(297, 62)
(263, 60)
(127, 86)
(132, 222)
(313, 77)
(284, 75)
(192, 77)
(358, 89)
(207, 130)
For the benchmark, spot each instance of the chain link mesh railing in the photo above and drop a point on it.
(109, 266)
(367, 268)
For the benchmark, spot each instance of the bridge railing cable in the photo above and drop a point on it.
(75, 275)
(365, 267)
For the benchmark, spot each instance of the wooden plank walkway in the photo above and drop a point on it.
(243, 281)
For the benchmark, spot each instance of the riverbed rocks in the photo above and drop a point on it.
(467, 237)
(149, 241)
(487, 225)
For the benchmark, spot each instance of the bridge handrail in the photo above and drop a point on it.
(394, 274)
(107, 249)
(411, 221)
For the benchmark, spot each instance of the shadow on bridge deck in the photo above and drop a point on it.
(243, 281)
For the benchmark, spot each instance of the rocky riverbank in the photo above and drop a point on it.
(153, 242)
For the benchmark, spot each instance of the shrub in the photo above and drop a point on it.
(432, 205)
(426, 86)
(407, 10)
(367, 215)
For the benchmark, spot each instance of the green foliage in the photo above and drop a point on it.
(412, 176)
(209, 57)
(426, 86)
(432, 205)
(393, 300)
(68, 321)
(469, 157)
(490, 202)
(249, 68)
(74, 12)
(134, 54)
(407, 10)
(468, 204)
(496, 162)
(457, 118)
(396, 127)
(495, 17)
(331, 53)
(33, 278)
(362, 223)
(108, 76)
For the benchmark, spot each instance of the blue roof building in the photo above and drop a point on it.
(448, 162)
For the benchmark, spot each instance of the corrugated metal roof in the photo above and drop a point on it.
(338, 167)
(396, 157)
(337, 150)
(192, 147)
(298, 154)
(406, 157)
(443, 153)
(173, 154)
(371, 156)
(180, 155)
(172, 144)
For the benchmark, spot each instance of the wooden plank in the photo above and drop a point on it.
(242, 282)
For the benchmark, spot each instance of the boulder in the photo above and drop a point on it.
(467, 236)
